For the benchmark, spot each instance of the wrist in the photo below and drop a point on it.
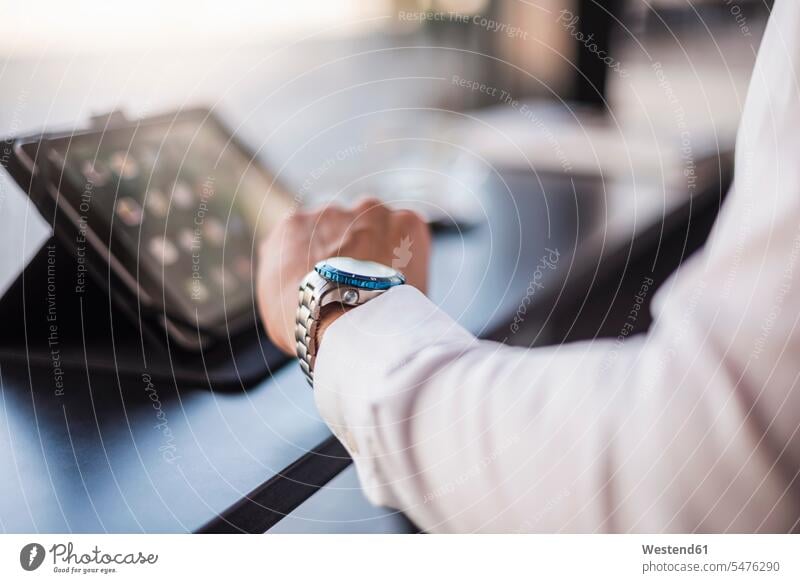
(334, 286)
(328, 315)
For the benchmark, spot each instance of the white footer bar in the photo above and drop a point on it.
(407, 558)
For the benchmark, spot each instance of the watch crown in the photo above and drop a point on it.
(350, 296)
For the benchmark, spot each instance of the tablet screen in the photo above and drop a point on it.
(180, 205)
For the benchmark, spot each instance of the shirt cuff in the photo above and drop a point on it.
(354, 371)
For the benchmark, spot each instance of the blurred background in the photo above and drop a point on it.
(306, 80)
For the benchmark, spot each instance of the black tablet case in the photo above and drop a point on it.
(47, 322)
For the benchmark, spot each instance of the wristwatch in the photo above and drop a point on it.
(341, 280)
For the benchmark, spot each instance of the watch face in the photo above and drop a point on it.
(362, 274)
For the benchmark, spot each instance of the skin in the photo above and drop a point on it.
(369, 230)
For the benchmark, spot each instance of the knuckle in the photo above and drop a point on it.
(331, 212)
(405, 215)
(372, 212)
(369, 203)
(295, 219)
(411, 219)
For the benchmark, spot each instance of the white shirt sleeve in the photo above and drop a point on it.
(693, 427)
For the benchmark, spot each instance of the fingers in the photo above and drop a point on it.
(370, 214)
(326, 226)
(366, 203)
(411, 224)
(411, 220)
(366, 230)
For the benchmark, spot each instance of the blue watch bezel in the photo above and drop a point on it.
(331, 273)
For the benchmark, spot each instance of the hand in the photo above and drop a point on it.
(368, 231)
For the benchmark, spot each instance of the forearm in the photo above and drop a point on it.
(474, 436)
(464, 435)
(328, 315)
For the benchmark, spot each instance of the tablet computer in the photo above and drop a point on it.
(165, 212)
